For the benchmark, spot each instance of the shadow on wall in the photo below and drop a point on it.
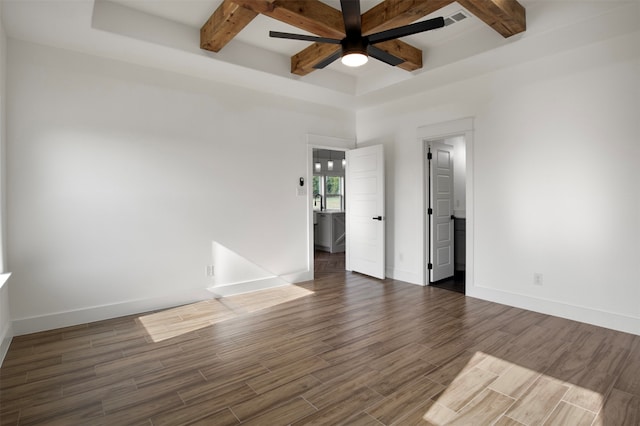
(235, 274)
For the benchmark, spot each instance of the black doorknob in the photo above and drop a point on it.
(377, 218)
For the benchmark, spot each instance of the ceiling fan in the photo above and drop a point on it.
(356, 48)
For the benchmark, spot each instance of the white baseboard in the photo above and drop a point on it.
(247, 287)
(5, 340)
(298, 277)
(592, 316)
(97, 313)
(400, 275)
(6, 331)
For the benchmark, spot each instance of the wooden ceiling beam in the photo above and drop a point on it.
(313, 16)
(396, 13)
(507, 17)
(224, 24)
(303, 62)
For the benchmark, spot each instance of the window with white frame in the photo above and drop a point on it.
(328, 192)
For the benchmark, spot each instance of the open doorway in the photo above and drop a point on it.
(452, 233)
(362, 203)
(328, 203)
(446, 213)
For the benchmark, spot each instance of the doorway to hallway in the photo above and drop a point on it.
(355, 225)
(328, 263)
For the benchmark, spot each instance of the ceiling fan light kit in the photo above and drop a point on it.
(354, 59)
(354, 52)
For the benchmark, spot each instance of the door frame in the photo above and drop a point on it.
(318, 142)
(462, 127)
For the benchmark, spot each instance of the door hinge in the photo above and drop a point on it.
(429, 211)
(429, 156)
(430, 266)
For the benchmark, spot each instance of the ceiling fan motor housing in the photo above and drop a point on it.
(354, 45)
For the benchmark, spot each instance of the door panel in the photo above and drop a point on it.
(441, 201)
(365, 202)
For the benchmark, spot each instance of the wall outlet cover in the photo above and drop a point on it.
(537, 278)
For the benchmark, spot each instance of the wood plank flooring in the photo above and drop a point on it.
(325, 262)
(343, 349)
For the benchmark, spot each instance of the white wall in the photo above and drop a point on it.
(555, 175)
(6, 332)
(121, 177)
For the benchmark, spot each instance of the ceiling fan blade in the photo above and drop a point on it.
(383, 56)
(351, 16)
(290, 36)
(406, 30)
(328, 60)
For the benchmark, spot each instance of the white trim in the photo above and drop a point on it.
(247, 287)
(318, 142)
(98, 313)
(584, 314)
(461, 127)
(446, 129)
(139, 306)
(405, 276)
(297, 277)
(330, 142)
(6, 336)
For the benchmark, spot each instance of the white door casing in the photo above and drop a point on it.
(365, 211)
(441, 213)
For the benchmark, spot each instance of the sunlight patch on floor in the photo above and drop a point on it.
(174, 322)
(489, 388)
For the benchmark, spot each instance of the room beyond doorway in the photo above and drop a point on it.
(454, 210)
(327, 205)
(328, 263)
(455, 283)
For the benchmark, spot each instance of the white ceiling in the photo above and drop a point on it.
(194, 13)
(165, 34)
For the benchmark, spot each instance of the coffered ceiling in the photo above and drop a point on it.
(166, 34)
(507, 17)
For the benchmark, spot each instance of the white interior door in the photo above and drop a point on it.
(365, 211)
(441, 211)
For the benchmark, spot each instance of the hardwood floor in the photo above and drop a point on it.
(455, 283)
(342, 349)
(328, 263)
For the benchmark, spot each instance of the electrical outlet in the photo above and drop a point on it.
(209, 271)
(537, 278)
